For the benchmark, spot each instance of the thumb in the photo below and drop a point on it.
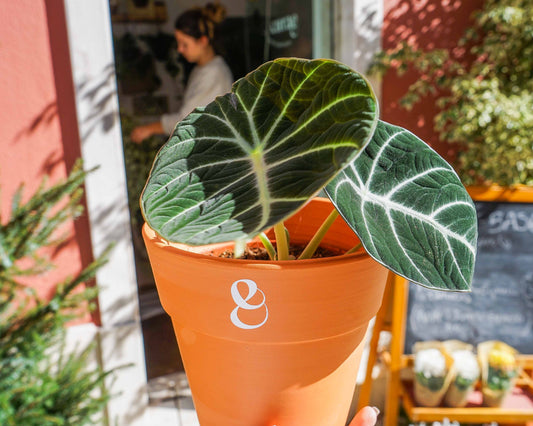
(367, 416)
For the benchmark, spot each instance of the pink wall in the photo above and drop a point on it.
(427, 24)
(38, 127)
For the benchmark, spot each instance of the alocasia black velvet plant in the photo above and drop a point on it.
(291, 128)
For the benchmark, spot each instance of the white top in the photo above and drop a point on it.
(206, 82)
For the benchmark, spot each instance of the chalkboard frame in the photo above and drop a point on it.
(515, 194)
(497, 194)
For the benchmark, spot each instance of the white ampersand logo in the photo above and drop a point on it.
(242, 303)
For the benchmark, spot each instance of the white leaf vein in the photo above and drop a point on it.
(303, 125)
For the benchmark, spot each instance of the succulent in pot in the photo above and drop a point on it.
(253, 159)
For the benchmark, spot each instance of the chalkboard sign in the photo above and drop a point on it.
(500, 305)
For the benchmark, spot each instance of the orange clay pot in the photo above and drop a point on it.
(270, 343)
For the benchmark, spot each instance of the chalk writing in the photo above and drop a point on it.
(500, 305)
(517, 221)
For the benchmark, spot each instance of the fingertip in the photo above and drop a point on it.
(367, 416)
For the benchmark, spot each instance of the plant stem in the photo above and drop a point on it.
(319, 235)
(354, 249)
(240, 247)
(281, 240)
(268, 246)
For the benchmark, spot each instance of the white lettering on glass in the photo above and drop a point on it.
(287, 23)
(242, 303)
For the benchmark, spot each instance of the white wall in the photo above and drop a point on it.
(357, 31)
(90, 44)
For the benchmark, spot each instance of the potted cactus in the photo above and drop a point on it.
(278, 341)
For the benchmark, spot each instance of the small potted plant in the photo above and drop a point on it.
(278, 341)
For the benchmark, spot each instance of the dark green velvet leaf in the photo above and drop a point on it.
(409, 209)
(254, 156)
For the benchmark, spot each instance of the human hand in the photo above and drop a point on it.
(367, 416)
(140, 133)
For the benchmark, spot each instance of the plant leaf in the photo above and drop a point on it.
(409, 209)
(254, 156)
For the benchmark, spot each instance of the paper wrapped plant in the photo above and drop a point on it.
(467, 371)
(433, 370)
(498, 371)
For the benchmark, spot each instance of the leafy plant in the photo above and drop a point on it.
(138, 158)
(500, 379)
(35, 388)
(250, 159)
(463, 383)
(135, 58)
(132, 63)
(163, 47)
(487, 101)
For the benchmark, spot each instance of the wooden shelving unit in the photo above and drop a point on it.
(517, 408)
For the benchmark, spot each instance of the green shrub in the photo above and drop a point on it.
(37, 388)
(138, 158)
(487, 106)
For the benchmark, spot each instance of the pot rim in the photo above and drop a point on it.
(195, 252)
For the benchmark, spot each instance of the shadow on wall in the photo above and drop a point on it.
(368, 35)
(44, 119)
(102, 117)
(99, 94)
(427, 24)
(59, 118)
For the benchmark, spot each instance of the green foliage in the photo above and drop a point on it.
(462, 383)
(132, 62)
(135, 58)
(499, 379)
(375, 197)
(138, 158)
(253, 157)
(434, 384)
(36, 388)
(487, 101)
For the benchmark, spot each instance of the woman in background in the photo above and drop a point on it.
(211, 76)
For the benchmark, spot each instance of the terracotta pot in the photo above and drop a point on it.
(270, 343)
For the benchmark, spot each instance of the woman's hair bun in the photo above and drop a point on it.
(201, 21)
(215, 12)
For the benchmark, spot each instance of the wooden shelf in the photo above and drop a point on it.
(124, 19)
(517, 408)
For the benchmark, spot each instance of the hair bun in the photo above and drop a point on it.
(215, 12)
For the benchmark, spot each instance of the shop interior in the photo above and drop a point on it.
(151, 77)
